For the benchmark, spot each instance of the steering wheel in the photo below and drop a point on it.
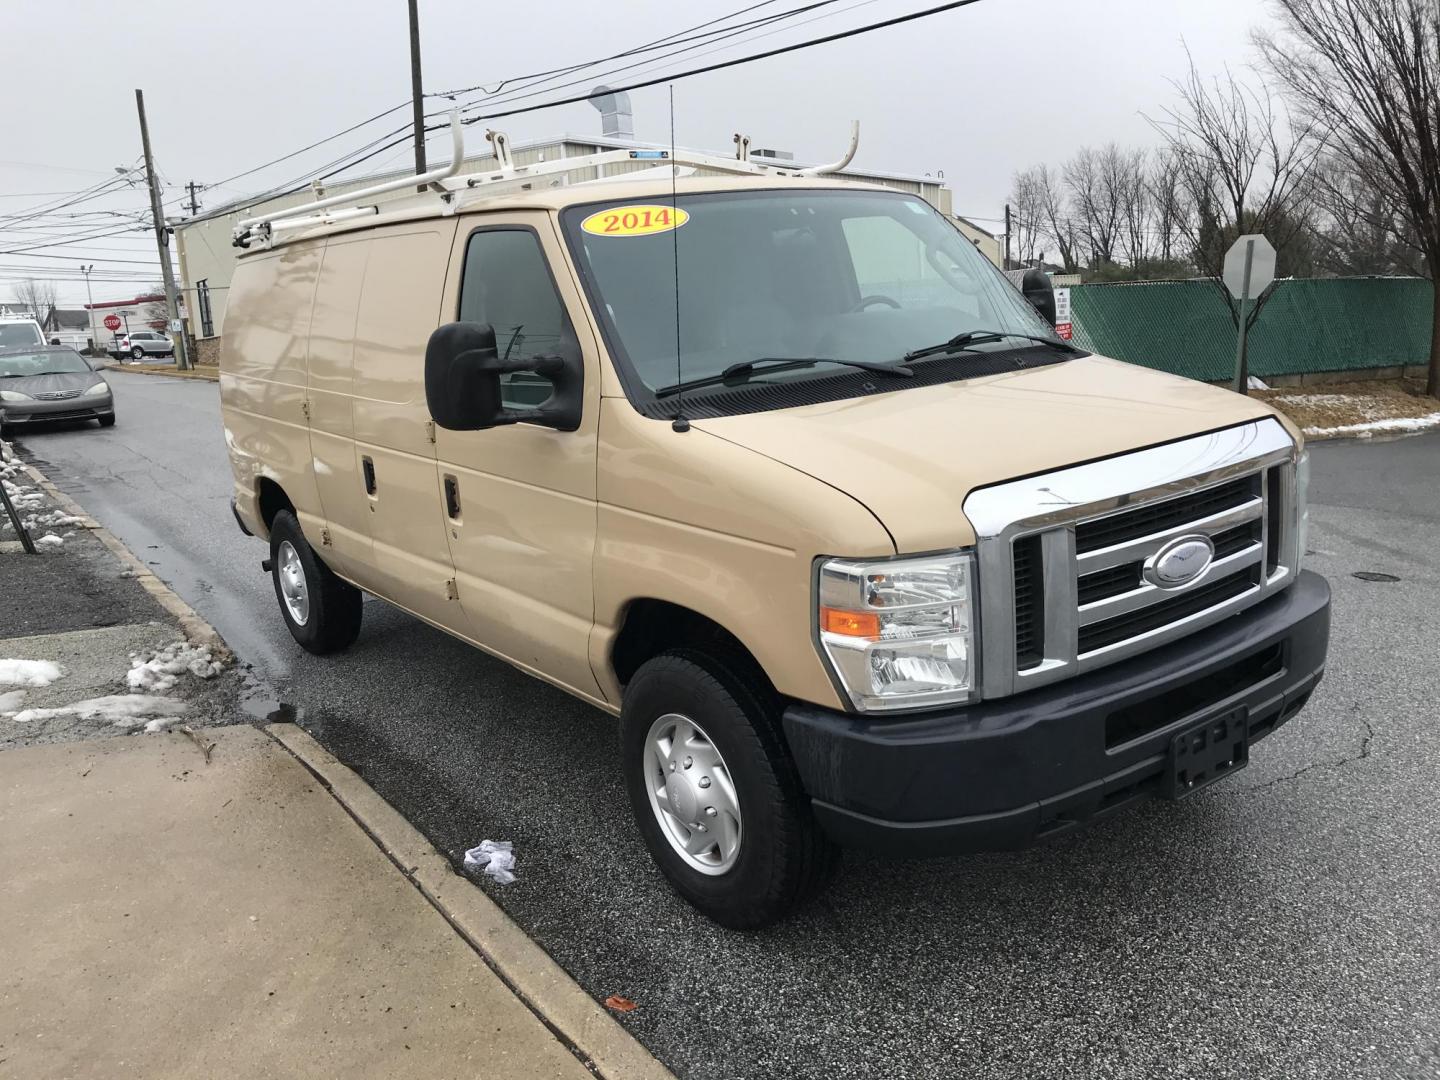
(876, 298)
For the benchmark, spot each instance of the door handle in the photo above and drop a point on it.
(452, 497)
(368, 468)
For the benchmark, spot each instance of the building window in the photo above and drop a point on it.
(202, 301)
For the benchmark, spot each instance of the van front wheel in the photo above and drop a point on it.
(322, 612)
(714, 792)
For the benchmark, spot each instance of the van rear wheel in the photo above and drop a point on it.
(714, 792)
(322, 611)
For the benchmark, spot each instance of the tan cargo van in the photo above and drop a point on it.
(781, 472)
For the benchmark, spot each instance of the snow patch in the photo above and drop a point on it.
(1256, 383)
(50, 540)
(1395, 425)
(161, 669)
(122, 710)
(29, 672)
(10, 702)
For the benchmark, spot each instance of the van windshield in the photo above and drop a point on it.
(20, 333)
(812, 274)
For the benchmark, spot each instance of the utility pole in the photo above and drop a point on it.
(194, 204)
(90, 305)
(1007, 236)
(417, 95)
(162, 242)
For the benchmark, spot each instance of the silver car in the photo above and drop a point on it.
(52, 382)
(142, 343)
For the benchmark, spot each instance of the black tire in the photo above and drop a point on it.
(137, 354)
(107, 421)
(332, 622)
(784, 859)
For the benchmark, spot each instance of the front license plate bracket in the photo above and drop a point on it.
(1206, 752)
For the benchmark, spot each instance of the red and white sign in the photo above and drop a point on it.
(112, 323)
(1063, 326)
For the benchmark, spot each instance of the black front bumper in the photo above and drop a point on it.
(1003, 774)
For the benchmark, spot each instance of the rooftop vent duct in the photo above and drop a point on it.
(616, 119)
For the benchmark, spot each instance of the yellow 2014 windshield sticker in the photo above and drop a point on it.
(634, 221)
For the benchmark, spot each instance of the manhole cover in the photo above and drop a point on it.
(1373, 575)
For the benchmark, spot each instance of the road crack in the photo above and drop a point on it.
(1364, 752)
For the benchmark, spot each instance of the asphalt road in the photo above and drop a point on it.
(1284, 923)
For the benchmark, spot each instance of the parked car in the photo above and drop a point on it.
(51, 382)
(142, 343)
(858, 550)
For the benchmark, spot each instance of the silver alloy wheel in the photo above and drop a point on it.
(290, 572)
(692, 794)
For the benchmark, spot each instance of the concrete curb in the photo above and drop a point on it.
(196, 629)
(202, 372)
(594, 1036)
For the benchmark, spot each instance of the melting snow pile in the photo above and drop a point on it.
(127, 711)
(161, 669)
(495, 857)
(1393, 426)
(10, 701)
(29, 672)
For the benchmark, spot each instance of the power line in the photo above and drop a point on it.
(736, 61)
(380, 144)
(709, 39)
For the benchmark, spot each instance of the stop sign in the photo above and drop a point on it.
(112, 322)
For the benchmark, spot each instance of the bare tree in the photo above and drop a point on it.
(1059, 226)
(38, 296)
(1362, 231)
(1171, 209)
(1093, 180)
(1244, 169)
(1027, 214)
(1137, 206)
(1367, 72)
(155, 313)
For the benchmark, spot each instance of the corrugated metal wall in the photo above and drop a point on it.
(1307, 326)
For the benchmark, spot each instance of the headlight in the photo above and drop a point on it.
(14, 395)
(100, 389)
(1302, 507)
(899, 633)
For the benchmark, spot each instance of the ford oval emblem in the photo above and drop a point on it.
(1180, 561)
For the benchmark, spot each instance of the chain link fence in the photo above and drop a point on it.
(1307, 326)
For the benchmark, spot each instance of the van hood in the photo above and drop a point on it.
(911, 456)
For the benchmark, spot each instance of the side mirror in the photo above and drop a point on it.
(1035, 285)
(462, 382)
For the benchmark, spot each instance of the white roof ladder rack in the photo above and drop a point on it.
(259, 231)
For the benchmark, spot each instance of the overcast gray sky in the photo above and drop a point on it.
(978, 92)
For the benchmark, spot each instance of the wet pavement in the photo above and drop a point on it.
(1282, 923)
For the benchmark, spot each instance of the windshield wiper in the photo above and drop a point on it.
(746, 368)
(961, 342)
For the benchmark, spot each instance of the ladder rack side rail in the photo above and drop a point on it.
(457, 158)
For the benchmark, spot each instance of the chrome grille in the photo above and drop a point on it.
(1063, 556)
(58, 395)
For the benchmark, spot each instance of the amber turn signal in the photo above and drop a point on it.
(849, 623)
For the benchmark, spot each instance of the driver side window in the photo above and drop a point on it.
(507, 284)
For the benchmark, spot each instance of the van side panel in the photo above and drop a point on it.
(262, 379)
(400, 305)
(701, 522)
(332, 423)
(524, 541)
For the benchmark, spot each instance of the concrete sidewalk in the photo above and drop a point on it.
(165, 917)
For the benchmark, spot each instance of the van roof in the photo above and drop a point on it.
(650, 182)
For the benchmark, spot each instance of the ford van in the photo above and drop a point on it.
(781, 472)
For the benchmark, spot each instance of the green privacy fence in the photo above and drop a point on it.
(1308, 325)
